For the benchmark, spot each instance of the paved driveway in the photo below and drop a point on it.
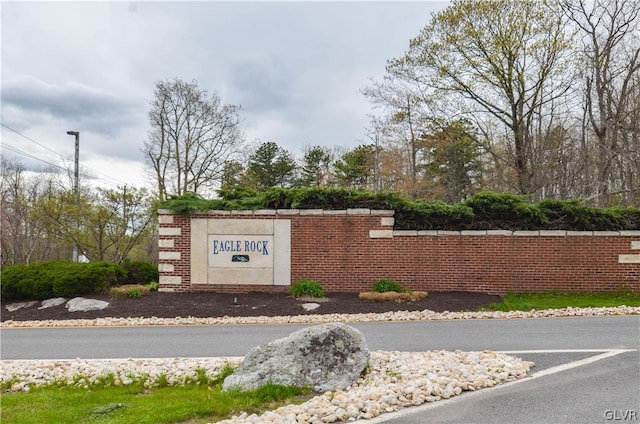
(587, 369)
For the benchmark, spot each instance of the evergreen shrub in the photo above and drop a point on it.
(139, 272)
(482, 211)
(507, 211)
(59, 279)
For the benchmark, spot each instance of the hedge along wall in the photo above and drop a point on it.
(347, 251)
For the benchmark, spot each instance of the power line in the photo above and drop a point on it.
(31, 139)
(59, 154)
(29, 155)
(104, 175)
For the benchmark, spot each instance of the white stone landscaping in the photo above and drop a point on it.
(394, 380)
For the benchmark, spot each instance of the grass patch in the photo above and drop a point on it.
(193, 403)
(555, 300)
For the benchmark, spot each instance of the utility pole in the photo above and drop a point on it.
(75, 183)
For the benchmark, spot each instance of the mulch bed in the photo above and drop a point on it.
(204, 305)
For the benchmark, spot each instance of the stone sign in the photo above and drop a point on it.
(241, 251)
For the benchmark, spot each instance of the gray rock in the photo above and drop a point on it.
(20, 305)
(325, 357)
(80, 304)
(52, 302)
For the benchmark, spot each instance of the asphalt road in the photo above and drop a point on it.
(199, 341)
(587, 369)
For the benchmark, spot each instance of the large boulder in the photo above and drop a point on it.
(80, 304)
(12, 307)
(325, 357)
(50, 303)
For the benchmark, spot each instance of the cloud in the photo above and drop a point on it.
(72, 102)
(263, 84)
(296, 69)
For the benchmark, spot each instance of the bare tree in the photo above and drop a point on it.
(501, 58)
(192, 136)
(402, 128)
(111, 223)
(611, 52)
(23, 241)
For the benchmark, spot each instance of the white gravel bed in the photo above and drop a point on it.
(23, 374)
(425, 315)
(395, 380)
(398, 380)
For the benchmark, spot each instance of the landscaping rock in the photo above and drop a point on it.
(49, 303)
(310, 306)
(80, 304)
(19, 305)
(324, 357)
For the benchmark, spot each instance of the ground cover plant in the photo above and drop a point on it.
(482, 211)
(556, 300)
(198, 401)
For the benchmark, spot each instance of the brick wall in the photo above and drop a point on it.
(347, 251)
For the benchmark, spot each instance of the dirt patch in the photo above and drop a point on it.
(205, 305)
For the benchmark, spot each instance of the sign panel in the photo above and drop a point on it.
(241, 251)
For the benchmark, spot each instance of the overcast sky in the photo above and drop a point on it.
(295, 68)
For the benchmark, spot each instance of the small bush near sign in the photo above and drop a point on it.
(307, 288)
(139, 272)
(385, 286)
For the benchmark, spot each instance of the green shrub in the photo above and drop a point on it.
(573, 214)
(482, 211)
(307, 288)
(135, 294)
(504, 211)
(237, 193)
(185, 204)
(27, 281)
(431, 216)
(94, 277)
(384, 286)
(139, 272)
(65, 279)
(153, 286)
